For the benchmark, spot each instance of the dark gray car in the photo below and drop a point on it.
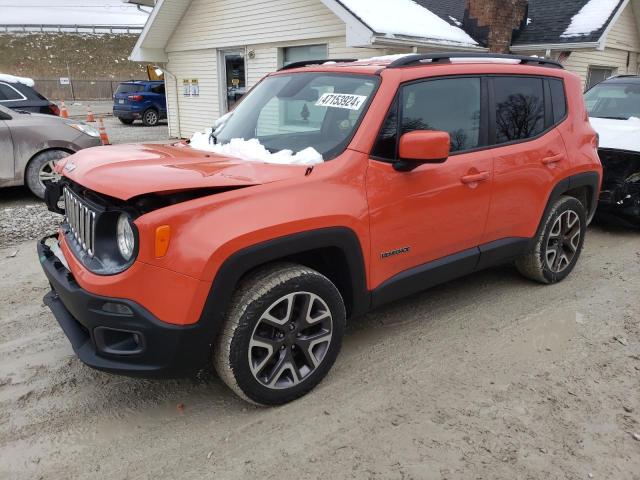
(31, 144)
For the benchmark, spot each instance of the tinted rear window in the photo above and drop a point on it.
(8, 93)
(558, 99)
(129, 88)
(519, 108)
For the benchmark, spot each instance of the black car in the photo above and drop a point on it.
(20, 96)
(614, 111)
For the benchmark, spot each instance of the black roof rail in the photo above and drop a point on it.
(411, 60)
(307, 63)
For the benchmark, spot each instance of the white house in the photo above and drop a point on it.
(212, 51)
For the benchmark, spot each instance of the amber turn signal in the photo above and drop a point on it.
(163, 235)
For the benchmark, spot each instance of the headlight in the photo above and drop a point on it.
(126, 239)
(84, 128)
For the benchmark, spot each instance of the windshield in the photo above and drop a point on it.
(298, 111)
(619, 101)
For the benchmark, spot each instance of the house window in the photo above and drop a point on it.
(598, 74)
(299, 54)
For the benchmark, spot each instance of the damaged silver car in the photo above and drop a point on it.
(614, 111)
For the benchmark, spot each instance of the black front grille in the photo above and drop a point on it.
(82, 221)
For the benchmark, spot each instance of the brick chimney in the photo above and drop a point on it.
(495, 20)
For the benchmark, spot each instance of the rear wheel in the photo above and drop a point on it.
(126, 121)
(282, 334)
(41, 170)
(559, 244)
(150, 118)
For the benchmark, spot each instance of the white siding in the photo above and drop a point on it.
(196, 113)
(625, 34)
(233, 23)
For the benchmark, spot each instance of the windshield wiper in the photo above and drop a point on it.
(213, 137)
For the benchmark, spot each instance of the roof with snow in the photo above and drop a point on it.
(567, 21)
(409, 19)
(547, 21)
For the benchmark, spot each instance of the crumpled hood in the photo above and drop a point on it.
(618, 134)
(127, 171)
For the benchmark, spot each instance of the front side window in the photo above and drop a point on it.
(619, 101)
(301, 110)
(519, 108)
(450, 105)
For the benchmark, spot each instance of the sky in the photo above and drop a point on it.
(70, 12)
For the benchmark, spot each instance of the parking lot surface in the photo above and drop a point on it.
(488, 377)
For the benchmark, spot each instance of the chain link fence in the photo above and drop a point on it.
(77, 89)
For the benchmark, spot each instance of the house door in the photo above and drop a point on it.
(233, 76)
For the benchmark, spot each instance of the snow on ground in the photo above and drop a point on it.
(71, 12)
(13, 79)
(590, 18)
(252, 150)
(618, 134)
(405, 17)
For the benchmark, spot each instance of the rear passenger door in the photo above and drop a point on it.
(529, 153)
(435, 210)
(159, 99)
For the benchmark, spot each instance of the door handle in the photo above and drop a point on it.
(554, 159)
(475, 178)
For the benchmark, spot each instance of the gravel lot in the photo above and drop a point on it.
(488, 377)
(24, 217)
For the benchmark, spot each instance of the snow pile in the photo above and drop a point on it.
(405, 17)
(72, 12)
(13, 79)
(253, 151)
(618, 134)
(590, 18)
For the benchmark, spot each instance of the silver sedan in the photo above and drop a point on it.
(31, 144)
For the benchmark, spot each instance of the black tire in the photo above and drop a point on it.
(260, 376)
(150, 117)
(40, 170)
(559, 243)
(126, 121)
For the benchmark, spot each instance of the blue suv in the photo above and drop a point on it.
(139, 99)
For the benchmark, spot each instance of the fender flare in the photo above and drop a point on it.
(587, 179)
(237, 265)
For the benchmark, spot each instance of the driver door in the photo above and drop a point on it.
(437, 210)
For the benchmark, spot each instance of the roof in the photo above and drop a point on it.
(568, 21)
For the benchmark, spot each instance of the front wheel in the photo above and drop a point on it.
(282, 334)
(558, 245)
(41, 170)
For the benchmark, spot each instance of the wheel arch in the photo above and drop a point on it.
(39, 152)
(583, 186)
(334, 252)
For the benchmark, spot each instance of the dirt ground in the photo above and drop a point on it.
(488, 377)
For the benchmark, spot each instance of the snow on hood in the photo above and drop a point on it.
(590, 18)
(618, 134)
(253, 151)
(13, 79)
(406, 17)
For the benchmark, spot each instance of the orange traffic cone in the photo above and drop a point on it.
(103, 132)
(90, 117)
(64, 113)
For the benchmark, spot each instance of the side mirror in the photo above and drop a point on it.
(422, 146)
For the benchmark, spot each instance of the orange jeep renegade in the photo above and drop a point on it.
(171, 258)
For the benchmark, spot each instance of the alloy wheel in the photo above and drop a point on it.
(290, 340)
(151, 117)
(563, 241)
(47, 172)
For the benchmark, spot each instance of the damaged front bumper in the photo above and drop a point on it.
(118, 335)
(620, 195)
